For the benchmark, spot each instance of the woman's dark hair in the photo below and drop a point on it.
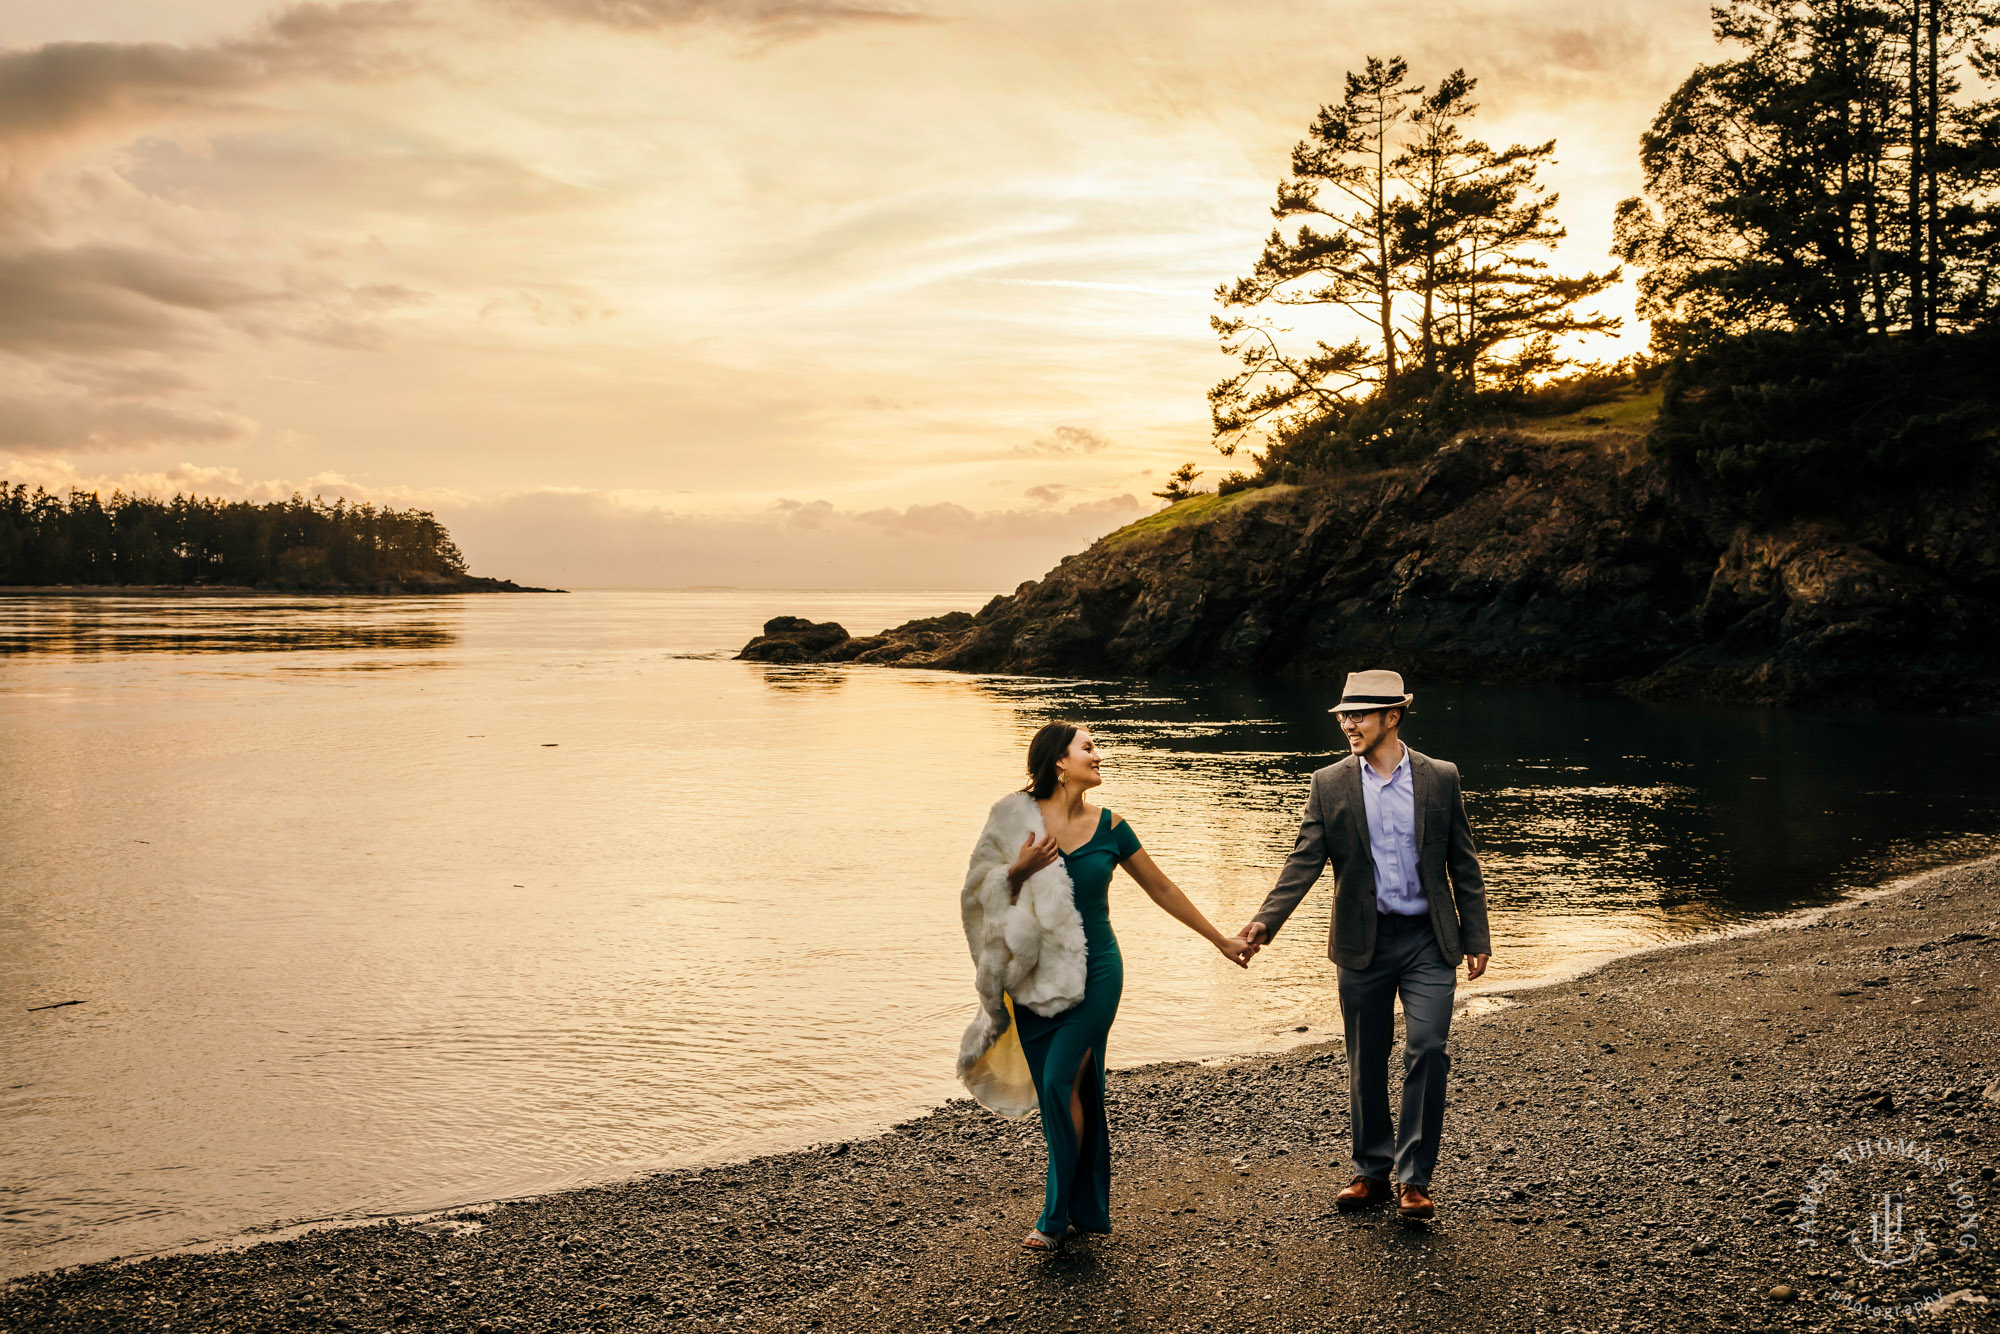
(1050, 744)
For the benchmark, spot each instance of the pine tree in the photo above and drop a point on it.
(1469, 226)
(1409, 227)
(1436, 167)
(1180, 483)
(1342, 256)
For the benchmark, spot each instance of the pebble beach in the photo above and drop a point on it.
(1667, 1143)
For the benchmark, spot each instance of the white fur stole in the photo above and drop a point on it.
(1028, 952)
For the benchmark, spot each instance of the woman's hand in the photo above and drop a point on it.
(1236, 949)
(1035, 854)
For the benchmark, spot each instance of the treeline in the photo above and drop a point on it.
(1837, 175)
(1817, 205)
(296, 543)
(1819, 238)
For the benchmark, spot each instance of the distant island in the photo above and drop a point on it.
(1792, 498)
(197, 544)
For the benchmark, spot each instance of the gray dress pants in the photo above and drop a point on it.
(1407, 962)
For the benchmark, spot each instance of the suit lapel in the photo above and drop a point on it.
(1357, 811)
(1423, 786)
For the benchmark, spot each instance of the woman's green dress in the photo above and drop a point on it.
(1079, 1182)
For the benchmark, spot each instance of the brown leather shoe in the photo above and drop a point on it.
(1415, 1204)
(1362, 1193)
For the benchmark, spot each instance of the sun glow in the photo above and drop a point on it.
(495, 257)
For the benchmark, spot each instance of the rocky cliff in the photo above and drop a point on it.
(1552, 556)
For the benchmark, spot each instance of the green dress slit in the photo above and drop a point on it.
(1079, 1181)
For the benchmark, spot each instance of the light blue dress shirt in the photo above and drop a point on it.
(1392, 838)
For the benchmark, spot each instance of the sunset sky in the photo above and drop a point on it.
(678, 292)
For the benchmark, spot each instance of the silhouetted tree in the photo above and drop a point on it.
(1831, 177)
(1342, 256)
(1180, 483)
(1414, 230)
(1466, 230)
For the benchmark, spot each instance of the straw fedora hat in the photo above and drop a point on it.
(1373, 690)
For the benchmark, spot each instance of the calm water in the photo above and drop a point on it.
(381, 905)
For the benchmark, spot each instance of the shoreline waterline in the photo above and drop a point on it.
(1481, 1006)
(384, 904)
(1637, 1152)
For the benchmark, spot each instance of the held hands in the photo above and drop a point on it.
(1236, 949)
(1035, 854)
(1242, 947)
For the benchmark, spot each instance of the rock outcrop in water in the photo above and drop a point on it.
(1505, 558)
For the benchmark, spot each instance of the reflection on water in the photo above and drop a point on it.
(223, 623)
(584, 897)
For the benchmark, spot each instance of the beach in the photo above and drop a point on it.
(1664, 1143)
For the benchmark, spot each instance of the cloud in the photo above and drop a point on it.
(60, 88)
(100, 299)
(946, 519)
(128, 232)
(100, 280)
(949, 519)
(221, 482)
(61, 476)
(1087, 285)
(770, 15)
(1046, 495)
(804, 517)
(370, 169)
(1066, 440)
(585, 539)
(93, 339)
(89, 299)
(60, 416)
(551, 311)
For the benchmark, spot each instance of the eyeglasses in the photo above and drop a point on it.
(1357, 714)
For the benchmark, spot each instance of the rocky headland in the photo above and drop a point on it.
(1653, 1148)
(1565, 552)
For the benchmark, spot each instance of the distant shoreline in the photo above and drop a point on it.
(440, 588)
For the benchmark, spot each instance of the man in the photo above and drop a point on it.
(1408, 904)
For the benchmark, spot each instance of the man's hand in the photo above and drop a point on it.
(1475, 964)
(1251, 939)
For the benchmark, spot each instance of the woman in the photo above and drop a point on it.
(1049, 972)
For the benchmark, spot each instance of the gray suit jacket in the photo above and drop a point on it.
(1335, 828)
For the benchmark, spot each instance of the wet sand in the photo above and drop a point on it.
(1641, 1148)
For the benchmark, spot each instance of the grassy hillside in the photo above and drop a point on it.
(1623, 420)
(1204, 508)
(1635, 413)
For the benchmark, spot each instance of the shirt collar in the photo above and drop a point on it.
(1402, 767)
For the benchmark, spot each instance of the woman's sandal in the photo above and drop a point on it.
(1042, 1243)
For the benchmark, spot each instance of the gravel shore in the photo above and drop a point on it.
(1669, 1143)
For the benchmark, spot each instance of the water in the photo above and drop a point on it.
(382, 905)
